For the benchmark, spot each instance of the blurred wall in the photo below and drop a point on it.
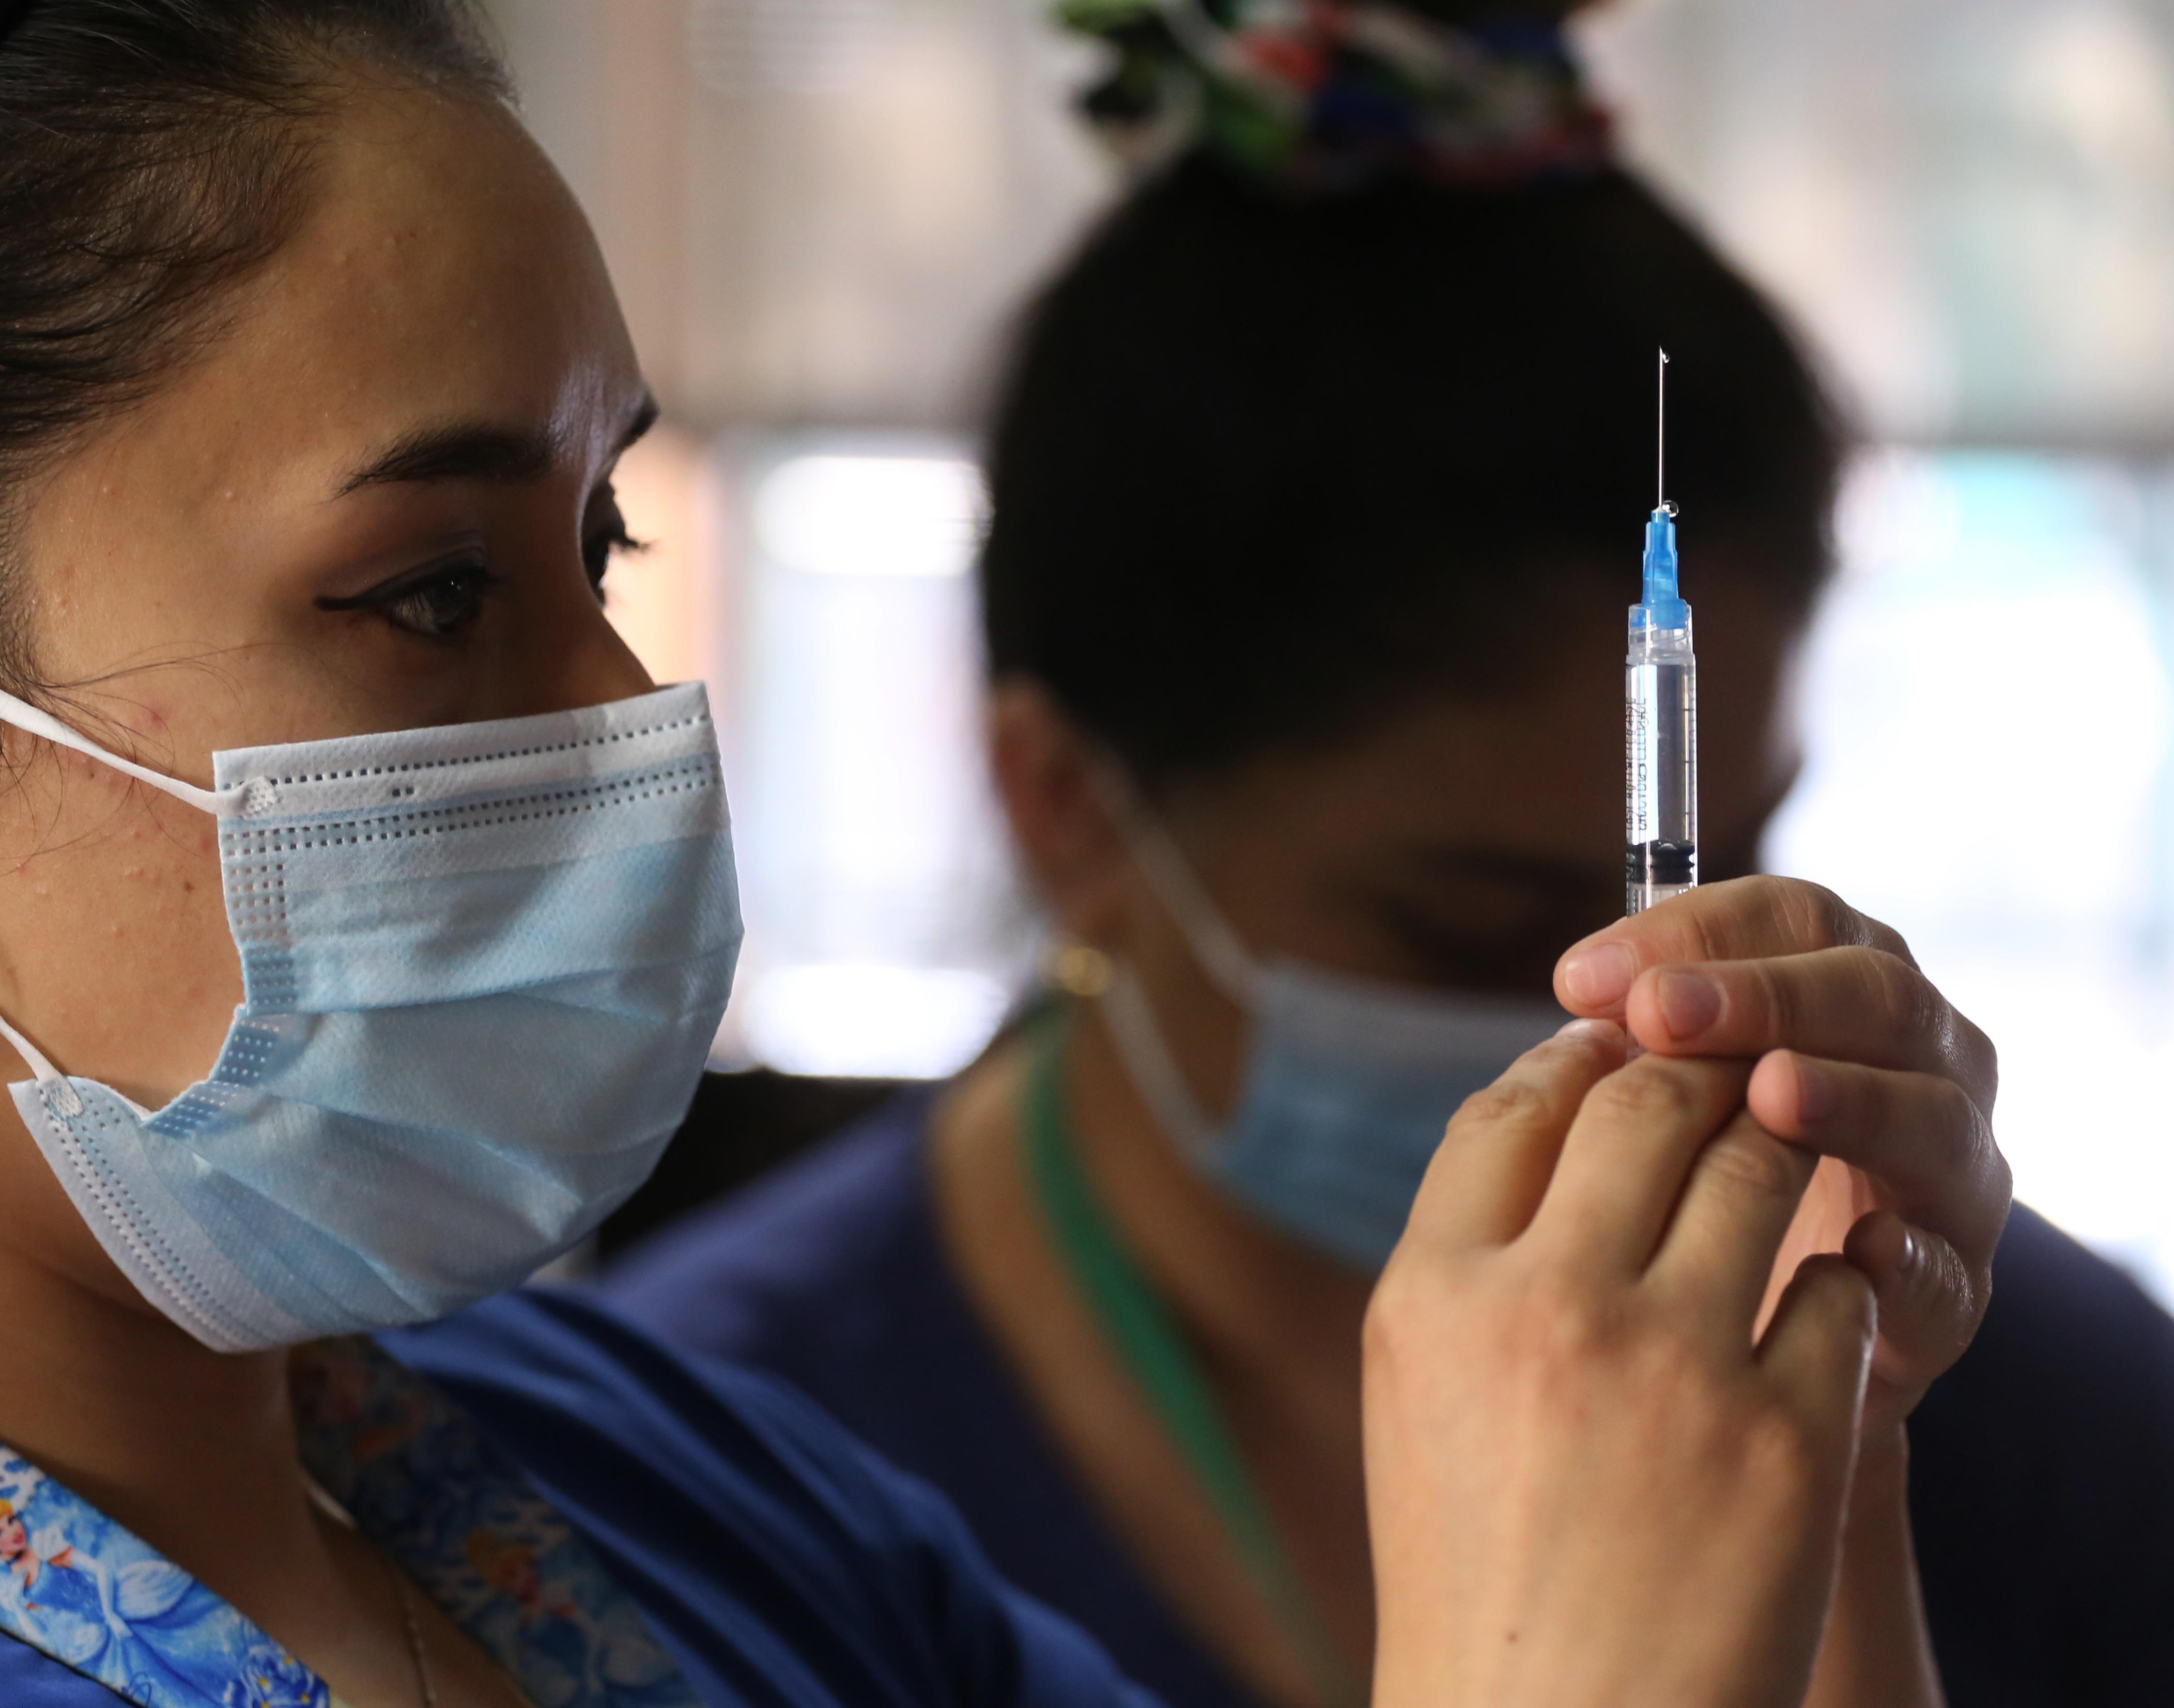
(818, 211)
(1969, 203)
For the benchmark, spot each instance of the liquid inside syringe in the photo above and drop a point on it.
(1660, 705)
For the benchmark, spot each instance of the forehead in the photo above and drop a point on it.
(440, 271)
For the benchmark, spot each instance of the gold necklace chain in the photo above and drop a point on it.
(424, 1686)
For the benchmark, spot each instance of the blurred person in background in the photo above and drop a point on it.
(1316, 487)
(367, 917)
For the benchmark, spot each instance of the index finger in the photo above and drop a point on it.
(1627, 1155)
(1745, 919)
(1493, 1166)
(1840, 1004)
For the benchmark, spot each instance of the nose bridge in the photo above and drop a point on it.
(603, 667)
(573, 657)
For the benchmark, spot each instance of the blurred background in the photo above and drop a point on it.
(820, 213)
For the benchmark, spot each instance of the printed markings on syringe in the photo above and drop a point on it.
(1660, 724)
(1642, 785)
(1640, 758)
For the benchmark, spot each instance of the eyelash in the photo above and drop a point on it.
(417, 603)
(437, 603)
(598, 553)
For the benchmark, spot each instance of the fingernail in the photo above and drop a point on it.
(1907, 1256)
(1588, 1028)
(1689, 1004)
(1815, 1093)
(1600, 975)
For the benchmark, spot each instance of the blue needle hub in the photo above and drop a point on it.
(1662, 607)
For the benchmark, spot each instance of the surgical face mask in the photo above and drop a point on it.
(1348, 1083)
(482, 968)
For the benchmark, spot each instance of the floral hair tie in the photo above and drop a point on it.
(1326, 95)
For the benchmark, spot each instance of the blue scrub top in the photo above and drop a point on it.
(778, 1561)
(2042, 1465)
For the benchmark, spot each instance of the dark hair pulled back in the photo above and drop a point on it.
(152, 153)
(1268, 468)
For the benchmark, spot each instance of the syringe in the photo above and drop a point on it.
(1660, 717)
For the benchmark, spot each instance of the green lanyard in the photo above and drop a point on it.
(1140, 1332)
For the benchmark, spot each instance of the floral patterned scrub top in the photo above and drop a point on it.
(620, 1526)
(415, 1475)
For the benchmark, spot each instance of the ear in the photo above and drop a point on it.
(1055, 784)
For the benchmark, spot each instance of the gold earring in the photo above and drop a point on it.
(1079, 968)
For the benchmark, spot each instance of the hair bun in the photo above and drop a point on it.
(1325, 95)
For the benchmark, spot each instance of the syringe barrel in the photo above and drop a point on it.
(1660, 763)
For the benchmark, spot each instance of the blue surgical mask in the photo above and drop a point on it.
(483, 967)
(1348, 1083)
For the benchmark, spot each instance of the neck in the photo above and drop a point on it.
(1277, 1323)
(1275, 1328)
(192, 1450)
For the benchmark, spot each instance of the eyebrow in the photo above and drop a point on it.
(476, 451)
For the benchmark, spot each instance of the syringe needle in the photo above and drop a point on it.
(1660, 435)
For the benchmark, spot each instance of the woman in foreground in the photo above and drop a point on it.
(310, 389)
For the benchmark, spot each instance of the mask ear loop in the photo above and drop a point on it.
(53, 1086)
(1125, 1009)
(1147, 1064)
(220, 803)
(60, 1096)
(1226, 961)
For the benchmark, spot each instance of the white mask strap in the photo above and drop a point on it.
(1213, 944)
(41, 1070)
(60, 1096)
(220, 803)
(1148, 1063)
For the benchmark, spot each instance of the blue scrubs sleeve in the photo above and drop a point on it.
(28, 1679)
(780, 1561)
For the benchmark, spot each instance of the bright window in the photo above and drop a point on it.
(1988, 707)
(884, 934)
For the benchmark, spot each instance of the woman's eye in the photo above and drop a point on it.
(435, 603)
